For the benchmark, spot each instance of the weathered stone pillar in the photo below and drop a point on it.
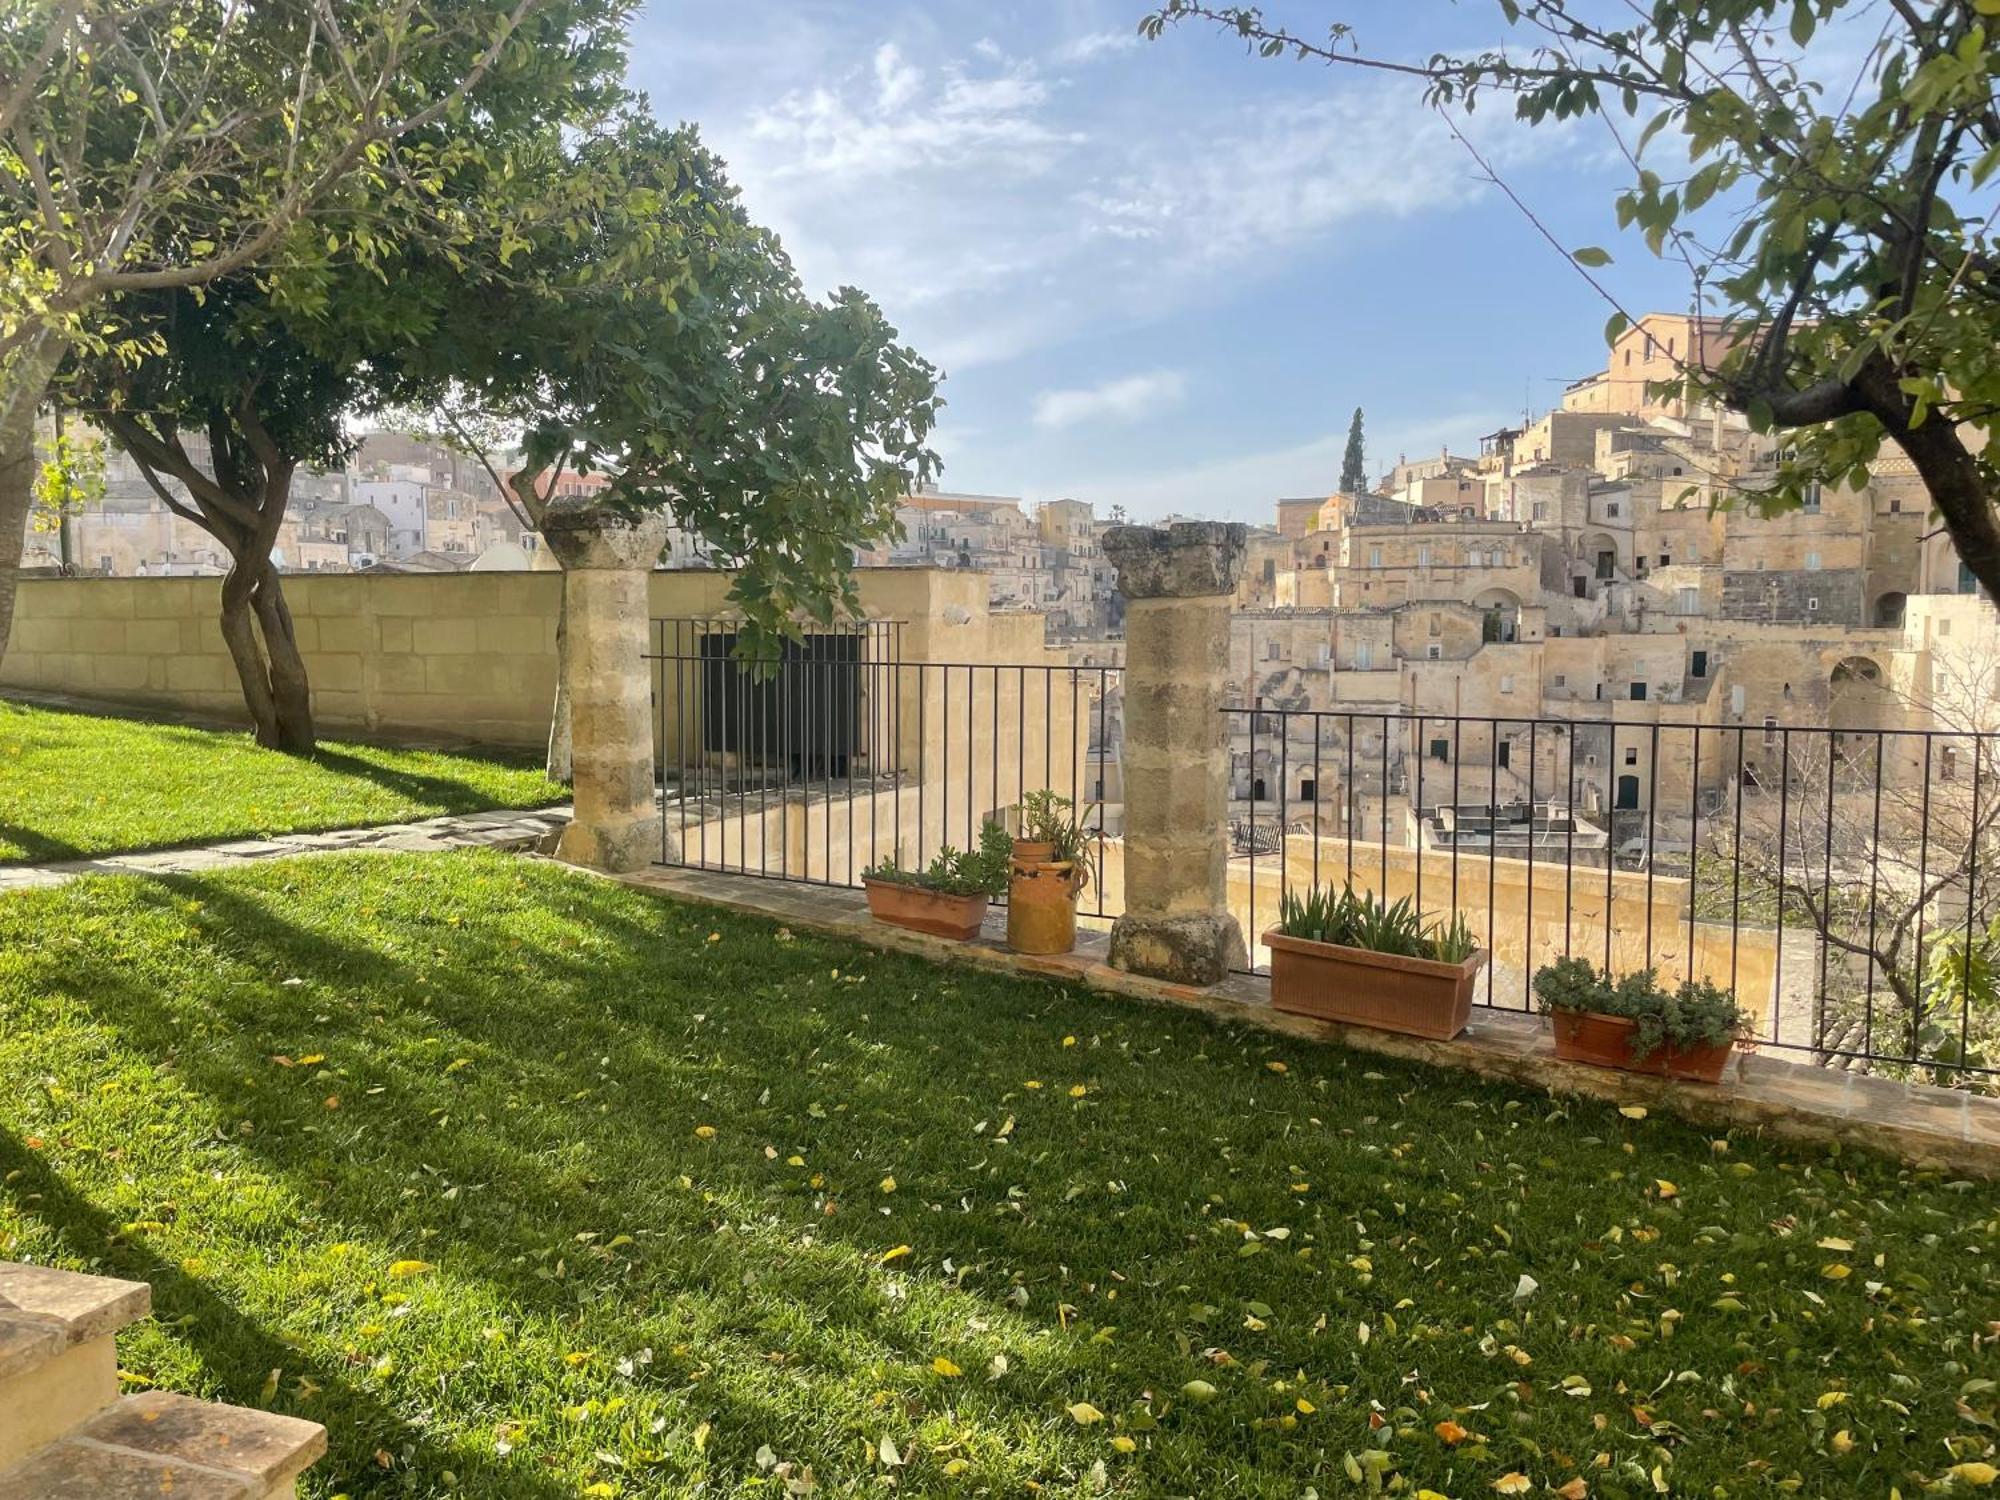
(1177, 584)
(606, 557)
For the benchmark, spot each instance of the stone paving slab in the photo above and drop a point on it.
(1943, 1129)
(501, 828)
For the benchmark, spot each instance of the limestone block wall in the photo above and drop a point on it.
(465, 657)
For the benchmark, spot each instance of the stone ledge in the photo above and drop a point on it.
(158, 1444)
(263, 1447)
(74, 1308)
(1942, 1129)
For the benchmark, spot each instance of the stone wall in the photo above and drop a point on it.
(442, 657)
(1786, 595)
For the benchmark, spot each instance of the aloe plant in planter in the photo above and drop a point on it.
(1637, 1024)
(948, 897)
(1354, 958)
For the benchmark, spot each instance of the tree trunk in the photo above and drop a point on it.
(561, 770)
(1949, 469)
(290, 693)
(20, 398)
(257, 628)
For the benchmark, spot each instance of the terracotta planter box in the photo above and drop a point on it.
(922, 910)
(1033, 852)
(1586, 1036)
(1418, 996)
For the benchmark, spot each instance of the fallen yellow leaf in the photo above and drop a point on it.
(896, 1254)
(1083, 1413)
(403, 1269)
(1513, 1483)
(946, 1368)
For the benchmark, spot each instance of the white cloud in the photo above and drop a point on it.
(1096, 44)
(995, 205)
(1125, 400)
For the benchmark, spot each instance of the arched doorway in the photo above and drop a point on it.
(1889, 611)
(1500, 611)
(1859, 696)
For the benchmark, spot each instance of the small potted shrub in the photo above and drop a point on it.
(1049, 870)
(947, 897)
(1351, 958)
(1638, 1025)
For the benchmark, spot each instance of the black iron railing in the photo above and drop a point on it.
(821, 761)
(1838, 879)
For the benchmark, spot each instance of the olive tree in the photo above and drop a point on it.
(644, 327)
(154, 145)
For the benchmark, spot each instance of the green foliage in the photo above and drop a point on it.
(70, 477)
(1354, 462)
(1354, 919)
(639, 323)
(75, 785)
(1694, 1014)
(1048, 818)
(957, 872)
(499, 1071)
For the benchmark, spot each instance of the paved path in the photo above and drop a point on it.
(503, 828)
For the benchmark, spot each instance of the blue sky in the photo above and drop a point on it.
(1157, 274)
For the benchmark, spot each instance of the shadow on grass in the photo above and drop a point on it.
(36, 847)
(235, 1351)
(524, 1062)
(444, 794)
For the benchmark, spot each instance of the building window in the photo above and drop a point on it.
(1812, 562)
(1812, 604)
(1698, 664)
(1611, 510)
(1895, 507)
(1560, 680)
(1361, 657)
(1374, 557)
(1736, 699)
(1948, 763)
(1541, 510)
(1441, 750)
(1506, 684)
(1437, 626)
(1423, 557)
(1687, 601)
(1811, 500)
(1433, 653)
(1638, 692)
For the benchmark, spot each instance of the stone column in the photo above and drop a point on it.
(607, 556)
(1177, 584)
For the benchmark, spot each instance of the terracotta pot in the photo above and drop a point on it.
(1587, 1036)
(1041, 905)
(1033, 851)
(1419, 996)
(922, 910)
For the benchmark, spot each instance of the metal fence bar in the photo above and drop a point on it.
(766, 763)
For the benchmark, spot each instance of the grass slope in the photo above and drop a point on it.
(531, 1186)
(74, 785)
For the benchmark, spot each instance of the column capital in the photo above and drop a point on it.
(1187, 560)
(584, 531)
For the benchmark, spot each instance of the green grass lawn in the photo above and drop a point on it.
(529, 1185)
(74, 785)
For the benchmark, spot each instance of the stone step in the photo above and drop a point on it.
(158, 1443)
(58, 1356)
